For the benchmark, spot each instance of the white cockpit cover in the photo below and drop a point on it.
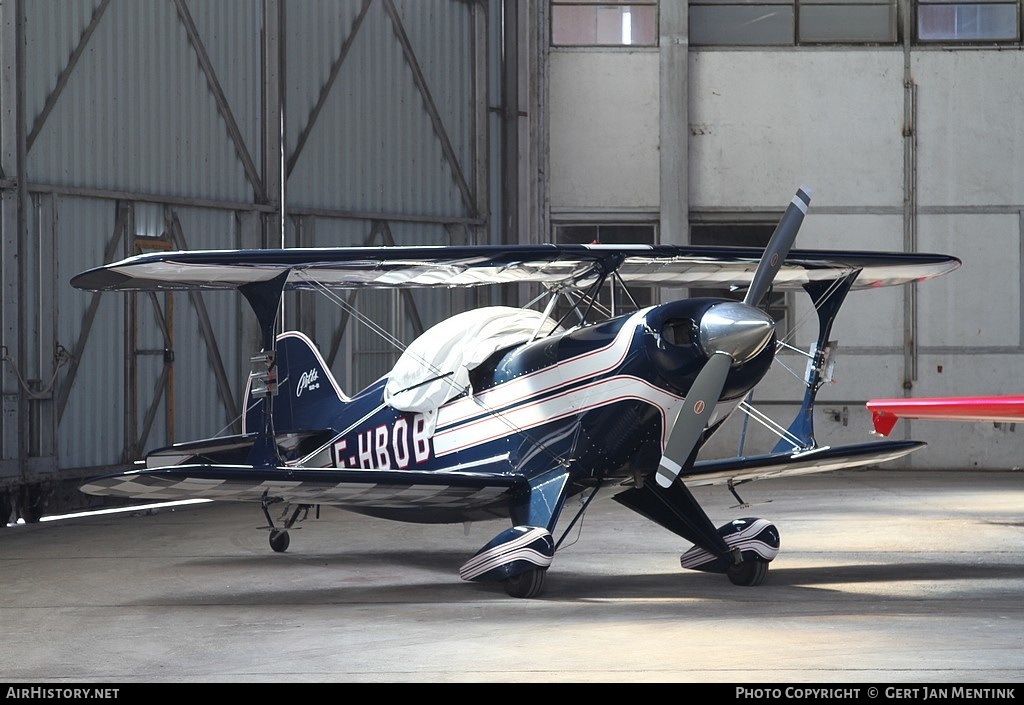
(435, 367)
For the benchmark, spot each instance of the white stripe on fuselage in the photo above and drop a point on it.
(569, 402)
(530, 386)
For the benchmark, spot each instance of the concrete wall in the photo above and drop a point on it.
(604, 130)
(763, 122)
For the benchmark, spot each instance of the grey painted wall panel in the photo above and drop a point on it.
(231, 32)
(441, 36)
(158, 106)
(54, 28)
(91, 427)
(871, 318)
(600, 159)
(374, 147)
(979, 306)
(316, 33)
(201, 411)
(970, 128)
(136, 113)
(764, 122)
(90, 431)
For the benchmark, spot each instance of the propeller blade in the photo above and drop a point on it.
(778, 247)
(700, 402)
(735, 336)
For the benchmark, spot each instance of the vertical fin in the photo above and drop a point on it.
(308, 396)
(265, 299)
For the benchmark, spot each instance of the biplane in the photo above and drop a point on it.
(504, 413)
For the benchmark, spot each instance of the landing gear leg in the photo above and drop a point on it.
(732, 488)
(279, 538)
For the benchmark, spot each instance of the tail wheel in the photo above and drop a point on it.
(748, 573)
(527, 584)
(279, 541)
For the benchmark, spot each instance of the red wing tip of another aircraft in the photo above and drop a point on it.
(885, 412)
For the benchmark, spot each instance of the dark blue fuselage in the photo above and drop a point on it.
(597, 400)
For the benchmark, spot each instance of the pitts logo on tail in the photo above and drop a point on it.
(307, 380)
(503, 413)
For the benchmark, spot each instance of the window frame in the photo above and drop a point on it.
(556, 6)
(795, 34)
(965, 40)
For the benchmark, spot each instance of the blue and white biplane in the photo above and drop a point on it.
(505, 413)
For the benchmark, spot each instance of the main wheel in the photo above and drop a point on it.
(748, 573)
(527, 584)
(279, 540)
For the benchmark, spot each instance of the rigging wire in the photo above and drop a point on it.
(393, 340)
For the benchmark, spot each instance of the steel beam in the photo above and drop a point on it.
(13, 227)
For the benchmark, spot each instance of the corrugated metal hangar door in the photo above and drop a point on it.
(136, 125)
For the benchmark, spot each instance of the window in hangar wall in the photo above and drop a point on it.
(782, 23)
(948, 21)
(604, 23)
(731, 23)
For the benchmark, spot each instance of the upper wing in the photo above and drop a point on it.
(885, 412)
(549, 264)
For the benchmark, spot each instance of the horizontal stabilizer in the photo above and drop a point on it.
(416, 495)
(234, 450)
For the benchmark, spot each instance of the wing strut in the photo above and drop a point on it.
(828, 298)
(578, 515)
(265, 299)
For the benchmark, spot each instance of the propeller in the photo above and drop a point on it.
(730, 333)
(778, 247)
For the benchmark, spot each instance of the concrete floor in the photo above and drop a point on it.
(883, 577)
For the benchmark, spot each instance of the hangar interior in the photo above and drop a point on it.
(132, 126)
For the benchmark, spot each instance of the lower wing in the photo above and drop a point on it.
(438, 496)
(802, 462)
